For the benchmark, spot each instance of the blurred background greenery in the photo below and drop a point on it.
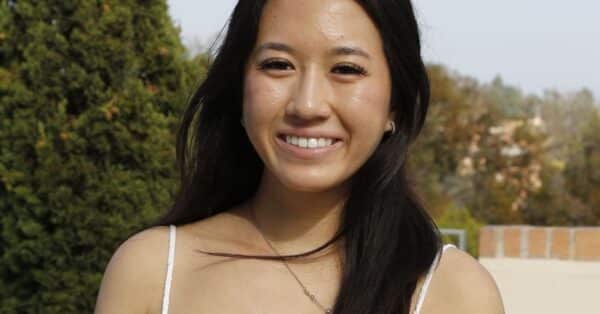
(90, 96)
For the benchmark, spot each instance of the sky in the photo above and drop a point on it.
(532, 44)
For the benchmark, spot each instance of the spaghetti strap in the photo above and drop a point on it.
(169, 277)
(425, 286)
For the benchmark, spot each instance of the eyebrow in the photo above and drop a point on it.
(337, 51)
(346, 51)
(274, 46)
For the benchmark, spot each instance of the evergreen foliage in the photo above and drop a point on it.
(90, 96)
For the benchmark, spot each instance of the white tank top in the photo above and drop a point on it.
(171, 261)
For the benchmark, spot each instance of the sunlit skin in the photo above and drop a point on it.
(318, 67)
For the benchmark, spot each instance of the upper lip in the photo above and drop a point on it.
(309, 134)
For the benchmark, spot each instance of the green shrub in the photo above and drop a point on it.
(90, 92)
(461, 218)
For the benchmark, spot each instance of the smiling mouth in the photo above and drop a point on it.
(308, 142)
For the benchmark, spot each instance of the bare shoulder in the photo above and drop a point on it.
(462, 285)
(133, 279)
(228, 231)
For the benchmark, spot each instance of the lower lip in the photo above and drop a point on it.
(308, 153)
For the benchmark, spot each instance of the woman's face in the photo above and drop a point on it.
(316, 93)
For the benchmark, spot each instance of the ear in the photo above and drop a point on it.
(391, 117)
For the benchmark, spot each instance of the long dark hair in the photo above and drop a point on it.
(389, 239)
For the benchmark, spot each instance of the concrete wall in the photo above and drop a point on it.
(547, 270)
(545, 286)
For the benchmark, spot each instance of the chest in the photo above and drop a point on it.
(234, 286)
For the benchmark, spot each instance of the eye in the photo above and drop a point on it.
(276, 64)
(349, 69)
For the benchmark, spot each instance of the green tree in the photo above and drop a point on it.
(460, 218)
(481, 149)
(90, 95)
(570, 195)
(583, 171)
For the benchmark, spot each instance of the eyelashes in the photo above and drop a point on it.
(342, 68)
(350, 69)
(275, 64)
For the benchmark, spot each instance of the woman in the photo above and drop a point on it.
(295, 146)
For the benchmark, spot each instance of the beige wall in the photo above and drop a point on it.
(546, 270)
(546, 286)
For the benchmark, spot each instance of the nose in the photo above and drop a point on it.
(309, 101)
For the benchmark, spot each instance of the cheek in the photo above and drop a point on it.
(366, 107)
(263, 99)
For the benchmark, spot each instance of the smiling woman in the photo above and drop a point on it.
(294, 195)
(319, 72)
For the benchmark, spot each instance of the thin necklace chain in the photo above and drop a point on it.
(304, 289)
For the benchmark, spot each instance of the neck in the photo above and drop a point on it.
(295, 221)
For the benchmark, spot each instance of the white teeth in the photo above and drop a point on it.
(311, 142)
(302, 142)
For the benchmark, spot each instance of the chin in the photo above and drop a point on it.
(312, 183)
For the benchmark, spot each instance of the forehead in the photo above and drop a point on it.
(314, 23)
